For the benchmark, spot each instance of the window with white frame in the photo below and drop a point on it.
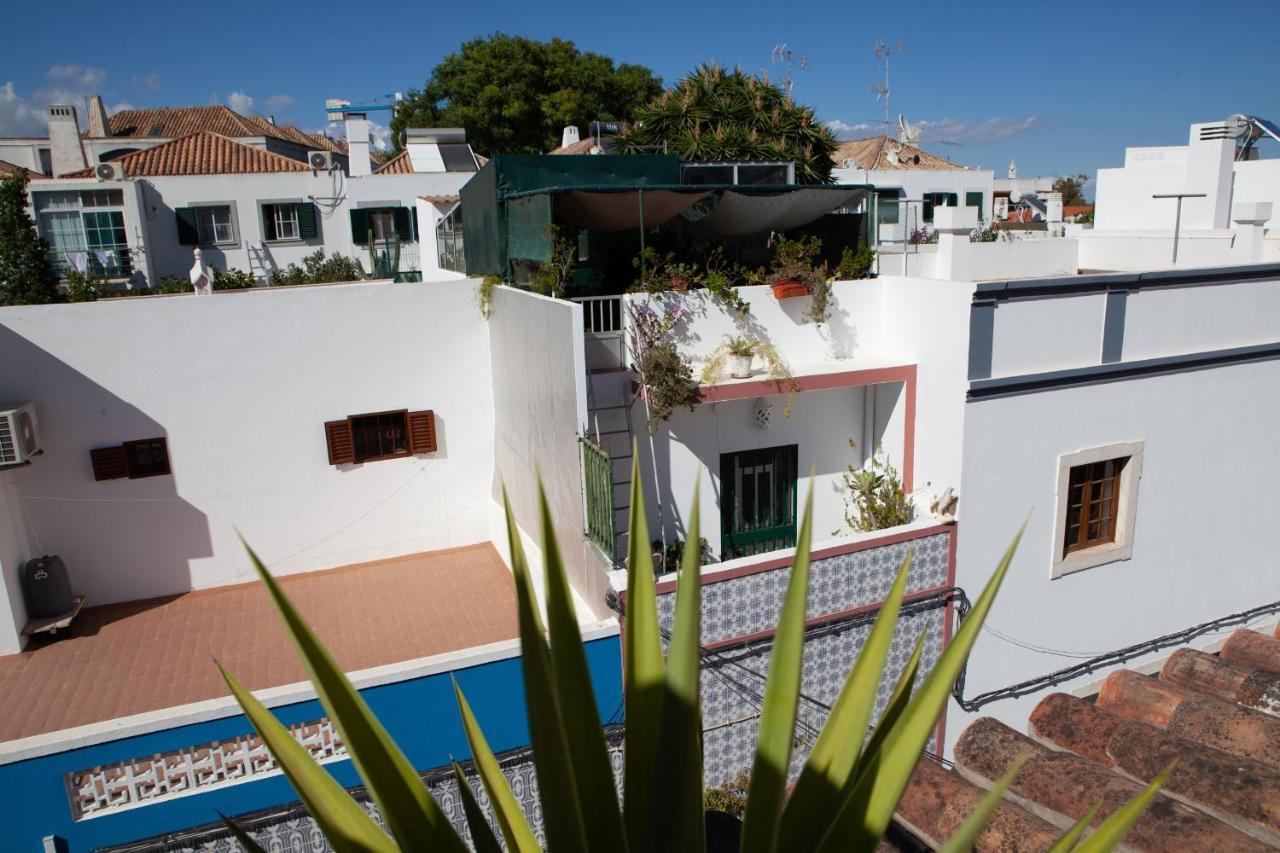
(285, 219)
(214, 225)
(1097, 504)
(85, 231)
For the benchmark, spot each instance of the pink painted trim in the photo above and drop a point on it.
(948, 626)
(834, 551)
(824, 619)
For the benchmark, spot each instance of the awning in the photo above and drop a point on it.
(733, 213)
(620, 211)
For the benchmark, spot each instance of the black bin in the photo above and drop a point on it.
(46, 588)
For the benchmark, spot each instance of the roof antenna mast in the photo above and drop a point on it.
(881, 90)
(781, 53)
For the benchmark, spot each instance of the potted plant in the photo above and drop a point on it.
(741, 353)
(796, 273)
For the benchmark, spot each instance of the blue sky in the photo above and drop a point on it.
(1060, 87)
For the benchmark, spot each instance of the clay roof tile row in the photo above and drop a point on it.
(202, 153)
(1215, 719)
(874, 152)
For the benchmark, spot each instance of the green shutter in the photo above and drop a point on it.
(953, 200)
(359, 227)
(758, 501)
(188, 234)
(974, 199)
(306, 220)
(268, 222)
(400, 221)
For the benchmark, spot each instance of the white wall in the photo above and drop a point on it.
(539, 409)
(1259, 180)
(1142, 250)
(15, 549)
(1201, 548)
(241, 384)
(1047, 334)
(1008, 259)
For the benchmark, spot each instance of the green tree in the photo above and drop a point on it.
(515, 95)
(27, 276)
(717, 115)
(1072, 188)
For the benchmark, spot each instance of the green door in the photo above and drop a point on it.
(757, 501)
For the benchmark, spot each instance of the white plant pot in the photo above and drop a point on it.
(740, 366)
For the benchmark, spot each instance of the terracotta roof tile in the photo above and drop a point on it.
(7, 169)
(202, 153)
(1218, 717)
(174, 122)
(397, 165)
(873, 153)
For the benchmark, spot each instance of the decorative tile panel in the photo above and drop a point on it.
(151, 778)
(744, 605)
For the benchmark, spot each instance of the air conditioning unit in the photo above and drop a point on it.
(109, 171)
(19, 436)
(848, 163)
(321, 161)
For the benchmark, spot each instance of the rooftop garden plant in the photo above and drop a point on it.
(855, 265)
(796, 271)
(667, 377)
(316, 268)
(843, 798)
(874, 497)
(778, 369)
(660, 273)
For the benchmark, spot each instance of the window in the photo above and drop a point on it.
(937, 199)
(738, 173)
(213, 225)
(285, 220)
(295, 220)
(84, 233)
(102, 198)
(974, 199)
(384, 225)
(757, 501)
(888, 206)
(148, 457)
(1097, 495)
(380, 435)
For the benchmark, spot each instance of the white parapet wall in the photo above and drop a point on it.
(241, 384)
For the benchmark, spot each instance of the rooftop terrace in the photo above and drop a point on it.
(126, 659)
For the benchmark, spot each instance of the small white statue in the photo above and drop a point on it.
(201, 276)
(944, 505)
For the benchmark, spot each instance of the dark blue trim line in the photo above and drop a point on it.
(1047, 288)
(986, 389)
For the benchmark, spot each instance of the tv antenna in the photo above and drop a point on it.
(881, 90)
(781, 53)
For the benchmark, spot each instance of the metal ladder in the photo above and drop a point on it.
(258, 266)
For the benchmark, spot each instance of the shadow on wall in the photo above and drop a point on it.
(122, 539)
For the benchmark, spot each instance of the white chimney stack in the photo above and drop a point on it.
(66, 153)
(570, 136)
(98, 127)
(358, 145)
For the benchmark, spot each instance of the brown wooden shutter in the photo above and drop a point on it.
(422, 432)
(109, 463)
(342, 450)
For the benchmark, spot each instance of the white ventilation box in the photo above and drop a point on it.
(19, 434)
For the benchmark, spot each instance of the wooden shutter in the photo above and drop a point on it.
(360, 227)
(306, 220)
(422, 432)
(342, 450)
(188, 233)
(400, 221)
(109, 463)
(268, 222)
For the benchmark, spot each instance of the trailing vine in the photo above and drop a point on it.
(779, 371)
(484, 295)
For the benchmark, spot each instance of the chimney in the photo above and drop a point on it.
(358, 145)
(569, 136)
(66, 153)
(98, 126)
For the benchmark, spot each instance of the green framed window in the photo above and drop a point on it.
(888, 203)
(974, 199)
(757, 501)
(932, 200)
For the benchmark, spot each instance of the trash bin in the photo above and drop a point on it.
(46, 588)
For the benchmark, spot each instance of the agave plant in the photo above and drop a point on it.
(843, 798)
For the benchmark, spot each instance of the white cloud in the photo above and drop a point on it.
(120, 107)
(153, 81)
(976, 130)
(379, 136)
(277, 103)
(844, 131)
(80, 76)
(241, 103)
(17, 117)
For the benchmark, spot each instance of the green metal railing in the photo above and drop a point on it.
(597, 469)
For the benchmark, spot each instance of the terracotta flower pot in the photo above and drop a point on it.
(788, 288)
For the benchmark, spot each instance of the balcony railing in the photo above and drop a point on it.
(449, 252)
(114, 261)
(603, 322)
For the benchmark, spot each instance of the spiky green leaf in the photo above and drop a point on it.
(899, 699)
(962, 840)
(411, 813)
(511, 819)
(826, 773)
(781, 698)
(562, 815)
(246, 840)
(340, 818)
(678, 762)
(1113, 830)
(1067, 841)
(482, 838)
(588, 752)
(642, 668)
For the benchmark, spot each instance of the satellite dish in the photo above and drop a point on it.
(1015, 196)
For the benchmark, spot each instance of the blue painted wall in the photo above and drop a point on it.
(421, 715)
